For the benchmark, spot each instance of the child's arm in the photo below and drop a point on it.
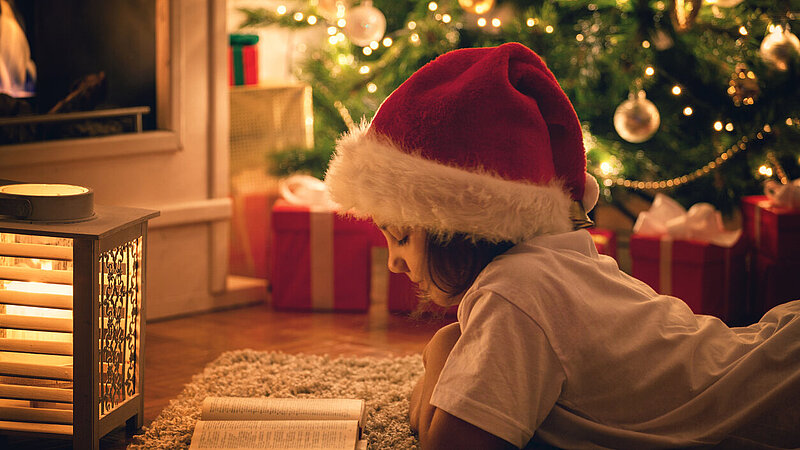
(437, 428)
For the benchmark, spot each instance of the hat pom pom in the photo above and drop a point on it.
(591, 193)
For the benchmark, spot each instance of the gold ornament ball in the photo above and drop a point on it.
(476, 6)
(636, 119)
(779, 47)
(365, 24)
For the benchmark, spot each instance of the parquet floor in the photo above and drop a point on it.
(177, 349)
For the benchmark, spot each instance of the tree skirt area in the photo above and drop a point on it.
(384, 383)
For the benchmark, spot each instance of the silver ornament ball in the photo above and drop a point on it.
(779, 47)
(637, 119)
(365, 24)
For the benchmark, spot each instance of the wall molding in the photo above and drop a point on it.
(193, 212)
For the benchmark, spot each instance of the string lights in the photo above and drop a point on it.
(741, 145)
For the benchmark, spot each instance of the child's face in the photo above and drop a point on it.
(407, 255)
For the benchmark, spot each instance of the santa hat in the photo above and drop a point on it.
(481, 141)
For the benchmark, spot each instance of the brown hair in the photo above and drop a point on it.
(454, 263)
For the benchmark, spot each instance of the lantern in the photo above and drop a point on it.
(72, 299)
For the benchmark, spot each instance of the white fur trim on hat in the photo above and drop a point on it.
(370, 177)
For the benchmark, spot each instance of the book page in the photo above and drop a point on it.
(275, 434)
(269, 408)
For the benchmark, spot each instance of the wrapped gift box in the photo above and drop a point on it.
(605, 241)
(709, 278)
(772, 231)
(320, 261)
(243, 59)
(250, 242)
(772, 282)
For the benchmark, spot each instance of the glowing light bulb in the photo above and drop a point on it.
(414, 38)
(446, 18)
(374, 45)
(281, 10)
(298, 16)
(331, 31)
(530, 22)
(606, 168)
(481, 22)
(432, 6)
(549, 29)
(412, 25)
(496, 22)
(341, 23)
(728, 126)
(743, 30)
(676, 90)
(646, 44)
(687, 111)
(332, 40)
(363, 69)
(367, 51)
(371, 88)
(312, 20)
(718, 125)
(789, 121)
(649, 71)
(387, 42)
(579, 37)
(765, 170)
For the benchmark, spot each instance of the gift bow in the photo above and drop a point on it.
(783, 195)
(702, 222)
(308, 191)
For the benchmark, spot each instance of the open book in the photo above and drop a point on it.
(280, 423)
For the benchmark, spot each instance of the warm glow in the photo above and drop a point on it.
(728, 126)
(312, 20)
(446, 18)
(676, 90)
(34, 287)
(496, 22)
(42, 190)
(341, 23)
(743, 30)
(374, 45)
(363, 69)
(412, 25)
(332, 30)
(281, 10)
(579, 37)
(687, 111)
(646, 44)
(789, 121)
(371, 88)
(765, 170)
(718, 125)
(415, 38)
(549, 29)
(298, 16)
(530, 22)
(367, 51)
(649, 71)
(482, 22)
(432, 6)
(606, 168)
(387, 42)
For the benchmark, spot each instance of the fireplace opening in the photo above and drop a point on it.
(93, 69)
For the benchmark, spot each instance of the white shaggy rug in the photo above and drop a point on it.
(384, 383)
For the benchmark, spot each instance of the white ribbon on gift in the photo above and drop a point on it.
(305, 190)
(783, 195)
(669, 220)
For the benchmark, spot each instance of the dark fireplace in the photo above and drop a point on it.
(95, 70)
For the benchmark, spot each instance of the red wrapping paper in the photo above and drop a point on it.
(250, 240)
(242, 65)
(605, 241)
(340, 251)
(709, 278)
(772, 282)
(771, 231)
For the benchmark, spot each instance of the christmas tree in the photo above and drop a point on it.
(698, 99)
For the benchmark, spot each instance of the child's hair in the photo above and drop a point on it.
(454, 263)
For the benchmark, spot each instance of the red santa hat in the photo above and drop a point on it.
(481, 141)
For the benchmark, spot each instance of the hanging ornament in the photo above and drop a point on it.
(684, 13)
(478, 7)
(365, 24)
(743, 87)
(724, 3)
(779, 47)
(636, 119)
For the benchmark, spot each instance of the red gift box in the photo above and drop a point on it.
(320, 260)
(250, 225)
(242, 65)
(605, 241)
(772, 282)
(772, 231)
(709, 278)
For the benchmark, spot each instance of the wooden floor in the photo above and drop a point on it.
(179, 348)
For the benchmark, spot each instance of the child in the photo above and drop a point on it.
(474, 169)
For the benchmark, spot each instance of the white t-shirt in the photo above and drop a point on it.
(559, 342)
